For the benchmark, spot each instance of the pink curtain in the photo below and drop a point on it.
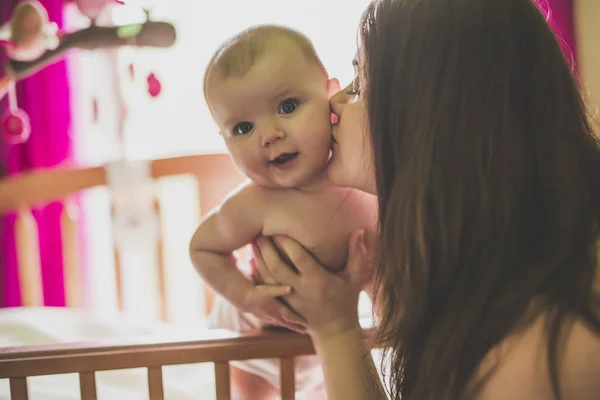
(562, 22)
(46, 98)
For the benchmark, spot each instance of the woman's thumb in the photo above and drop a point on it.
(359, 268)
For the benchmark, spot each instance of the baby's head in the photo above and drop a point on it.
(269, 95)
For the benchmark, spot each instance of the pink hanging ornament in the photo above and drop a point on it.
(16, 127)
(154, 86)
(14, 123)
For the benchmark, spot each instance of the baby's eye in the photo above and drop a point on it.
(243, 128)
(288, 106)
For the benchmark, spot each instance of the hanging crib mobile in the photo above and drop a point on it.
(31, 42)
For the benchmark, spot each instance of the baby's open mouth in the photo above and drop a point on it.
(284, 158)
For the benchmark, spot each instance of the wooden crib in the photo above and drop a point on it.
(216, 176)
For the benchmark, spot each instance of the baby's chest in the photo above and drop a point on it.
(322, 228)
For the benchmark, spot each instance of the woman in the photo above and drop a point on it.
(476, 141)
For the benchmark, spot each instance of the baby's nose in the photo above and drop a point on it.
(272, 137)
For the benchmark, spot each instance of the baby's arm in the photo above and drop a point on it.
(236, 223)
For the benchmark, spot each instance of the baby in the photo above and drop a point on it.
(268, 92)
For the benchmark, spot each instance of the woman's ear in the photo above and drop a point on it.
(333, 86)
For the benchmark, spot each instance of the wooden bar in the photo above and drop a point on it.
(118, 271)
(155, 383)
(44, 185)
(16, 362)
(287, 379)
(18, 389)
(57, 182)
(222, 381)
(162, 269)
(87, 386)
(119, 280)
(28, 254)
(71, 260)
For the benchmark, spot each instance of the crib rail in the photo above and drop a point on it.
(19, 363)
(41, 186)
(215, 174)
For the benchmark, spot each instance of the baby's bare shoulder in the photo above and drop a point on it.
(247, 193)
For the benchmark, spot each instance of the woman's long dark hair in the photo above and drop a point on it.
(488, 176)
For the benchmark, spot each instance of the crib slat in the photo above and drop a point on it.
(287, 380)
(222, 382)
(155, 383)
(72, 267)
(118, 280)
(118, 272)
(28, 252)
(162, 272)
(87, 385)
(18, 389)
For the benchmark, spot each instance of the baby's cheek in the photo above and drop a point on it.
(319, 115)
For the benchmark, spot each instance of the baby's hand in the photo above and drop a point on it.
(262, 301)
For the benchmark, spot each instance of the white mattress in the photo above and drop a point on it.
(35, 326)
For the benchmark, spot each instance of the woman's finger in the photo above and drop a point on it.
(254, 273)
(298, 256)
(278, 314)
(273, 290)
(277, 267)
(258, 264)
(358, 268)
(291, 317)
(293, 327)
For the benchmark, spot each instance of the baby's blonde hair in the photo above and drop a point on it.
(238, 54)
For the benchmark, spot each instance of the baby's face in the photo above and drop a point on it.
(276, 119)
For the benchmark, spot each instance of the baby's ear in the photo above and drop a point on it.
(333, 86)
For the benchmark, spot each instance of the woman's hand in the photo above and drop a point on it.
(266, 303)
(328, 302)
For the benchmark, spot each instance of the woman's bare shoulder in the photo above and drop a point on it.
(581, 374)
(522, 366)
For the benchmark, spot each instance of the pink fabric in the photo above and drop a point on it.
(562, 21)
(45, 97)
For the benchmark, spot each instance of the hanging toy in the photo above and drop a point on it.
(29, 33)
(152, 82)
(32, 43)
(15, 124)
(154, 86)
